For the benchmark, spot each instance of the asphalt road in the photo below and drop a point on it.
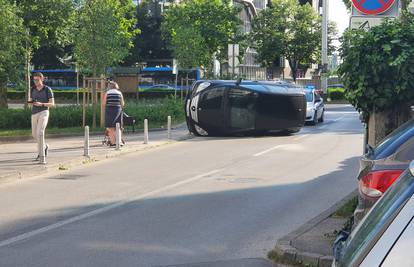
(204, 199)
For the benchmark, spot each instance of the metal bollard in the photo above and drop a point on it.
(169, 127)
(42, 159)
(118, 136)
(86, 150)
(146, 131)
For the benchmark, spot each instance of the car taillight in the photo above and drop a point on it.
(375, 183)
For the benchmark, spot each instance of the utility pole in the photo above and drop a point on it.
(324, 73)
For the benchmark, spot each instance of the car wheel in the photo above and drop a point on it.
(199, 131)
(192, 128)
(292, 131)
(322, 116)
(315, 118)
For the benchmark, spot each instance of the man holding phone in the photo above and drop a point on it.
(42, 99)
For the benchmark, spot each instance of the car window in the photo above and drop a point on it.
(406, 151)
(390, 143)
(364, 237)
(212, 98)
(242, 108)
(309, 96)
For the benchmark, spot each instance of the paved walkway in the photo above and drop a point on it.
(17, 158)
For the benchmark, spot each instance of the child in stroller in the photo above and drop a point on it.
(107, 140)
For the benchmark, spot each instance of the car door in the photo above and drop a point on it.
(318, 104)
(210, 109)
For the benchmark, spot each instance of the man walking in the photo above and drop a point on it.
(41, 99)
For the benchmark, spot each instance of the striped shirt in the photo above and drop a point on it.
(113, 98)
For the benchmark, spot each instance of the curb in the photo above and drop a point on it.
(286, 252)
(82, 160)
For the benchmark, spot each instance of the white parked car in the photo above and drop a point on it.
(315, 108)
(385, 237)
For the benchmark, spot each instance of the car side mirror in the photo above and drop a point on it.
(339, 244)
(412, 168)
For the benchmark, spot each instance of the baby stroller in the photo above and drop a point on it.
(107, 140)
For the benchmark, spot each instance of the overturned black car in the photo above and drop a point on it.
(244, 107)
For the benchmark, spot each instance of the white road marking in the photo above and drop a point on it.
(341, 112)
(89, 214)
(301, 137)
(267, 151)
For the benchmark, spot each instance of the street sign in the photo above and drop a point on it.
(365, 22)
(373, 7)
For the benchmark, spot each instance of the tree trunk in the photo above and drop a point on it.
(382, 123)
(94, 98)
(294, 69)
(3, 94)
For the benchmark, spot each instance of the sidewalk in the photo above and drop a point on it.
(16, 159)
(311, 244)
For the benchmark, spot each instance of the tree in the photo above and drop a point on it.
(103, 35)
(47, 24)
(149, 44)
(378, 73)
(348, 4)
(288, 30)
(213, 23)
(11, 47)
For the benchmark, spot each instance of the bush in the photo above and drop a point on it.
(336, 93)
(71, 116)
(70, 96)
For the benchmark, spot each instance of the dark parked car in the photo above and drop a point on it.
(385, 237)
(381, 166)
(231, 107)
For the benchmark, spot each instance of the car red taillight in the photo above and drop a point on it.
(375, 183)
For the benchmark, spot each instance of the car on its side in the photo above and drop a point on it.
(217, 107)
(315, 106)
(381, 166)
(385, 237)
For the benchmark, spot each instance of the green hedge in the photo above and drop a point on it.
(71, 116)
(336, 93)
(70, 96)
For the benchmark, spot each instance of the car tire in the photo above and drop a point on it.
(322, 116)
(315, 118)
(292, 131)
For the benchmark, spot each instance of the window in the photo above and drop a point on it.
(212, 98)
(401, 134)
(406, 151)
(309, 96)
(242, 108)
(364, 237)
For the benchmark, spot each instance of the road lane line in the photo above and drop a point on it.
(301, 137)
(267, 150)
(89, 214)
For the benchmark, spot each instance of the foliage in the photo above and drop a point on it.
(336, 93)
(11, 49)
(48, 24)
(348, 4)
(149, 44)
(290, 30)
(103, 34)
(268, 34)
(378, 65)
(71, 116)
(199, 30)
